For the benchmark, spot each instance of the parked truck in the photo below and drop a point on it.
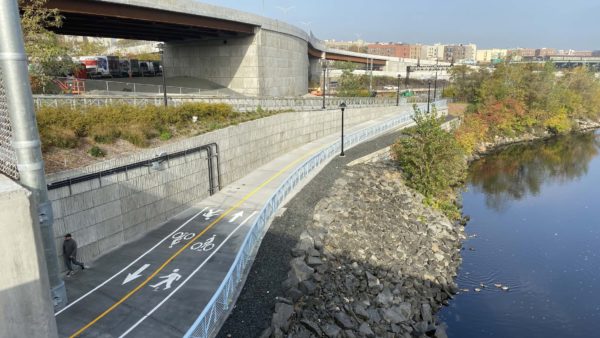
(96, 66)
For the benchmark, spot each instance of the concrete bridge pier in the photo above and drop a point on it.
(25, 301)
(268, 63)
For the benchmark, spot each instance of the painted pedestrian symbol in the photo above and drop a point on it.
(206, 246)
(167, 280)
(178, 237)
(211, 213)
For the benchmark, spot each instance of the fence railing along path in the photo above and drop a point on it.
(240, 104)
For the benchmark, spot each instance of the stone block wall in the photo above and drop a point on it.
(268, 63)
(105, 213)
(283, 65)
(232, 63)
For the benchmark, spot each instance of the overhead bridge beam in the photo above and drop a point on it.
(102, 18)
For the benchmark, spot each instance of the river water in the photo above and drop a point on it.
(535, 229)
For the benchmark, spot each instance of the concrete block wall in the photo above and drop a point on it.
(283, 63)
(268, 63)
(105, 213)
(232, 62)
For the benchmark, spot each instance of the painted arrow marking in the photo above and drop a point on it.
(236, 216)
(137, 274)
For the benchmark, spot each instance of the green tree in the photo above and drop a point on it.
(47, 56)
(431, 160)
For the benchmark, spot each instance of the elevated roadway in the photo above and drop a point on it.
(247, 53)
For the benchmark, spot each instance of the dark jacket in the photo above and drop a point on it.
(70, 248)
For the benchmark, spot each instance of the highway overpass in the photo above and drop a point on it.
(247, 53)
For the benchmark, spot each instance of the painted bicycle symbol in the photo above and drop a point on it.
(206, 246)
(180, 236)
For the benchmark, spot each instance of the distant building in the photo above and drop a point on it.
(544, 52)
(596, 53)
(432, 52)
(359, 46)
(460, 53)
(571, 52)
(415, 51)
(390, 49)
(487, 55)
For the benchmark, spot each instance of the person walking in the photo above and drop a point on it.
(70, 254)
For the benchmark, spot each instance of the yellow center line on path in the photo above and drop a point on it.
(178, 252)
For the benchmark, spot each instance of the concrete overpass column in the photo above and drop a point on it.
(266, 64)
(25, 301)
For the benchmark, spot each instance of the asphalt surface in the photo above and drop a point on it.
(255, 305)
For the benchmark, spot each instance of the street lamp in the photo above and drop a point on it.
(342, 107)
(161, 48)
(435, 83)
(428, 94)
(324, 81)
(398, 91)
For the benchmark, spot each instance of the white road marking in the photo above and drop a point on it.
(186, 280)
(136, 274)
(167, 280)
(211, 213)
(128, 266)
(236, 216)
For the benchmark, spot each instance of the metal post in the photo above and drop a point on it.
(342, 107)
(428, 95)
(26, 140)
(107, 91)
(398, 91)
(371, 77)
(161, 46)
(435, 82)
(324, 82)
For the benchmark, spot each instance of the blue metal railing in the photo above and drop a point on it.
(215, 312)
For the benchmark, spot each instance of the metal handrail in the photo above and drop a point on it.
(216, 310)
(210, 154)
(239, 104)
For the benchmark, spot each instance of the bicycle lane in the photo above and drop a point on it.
(94, 290)
(120, 308)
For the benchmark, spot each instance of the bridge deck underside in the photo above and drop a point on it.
(103, 19)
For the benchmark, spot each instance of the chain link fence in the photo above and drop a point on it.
(8, 160)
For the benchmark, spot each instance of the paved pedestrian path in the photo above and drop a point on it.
(158, 285)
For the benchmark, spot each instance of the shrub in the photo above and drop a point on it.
(431, 159)
(165, 135)
(96, 151)
(58, 137)
(103, 133)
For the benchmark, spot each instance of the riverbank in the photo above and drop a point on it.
(374, 262)
(499, 143)
(389, 256)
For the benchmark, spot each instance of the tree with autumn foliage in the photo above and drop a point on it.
(524, 98)
(47, 56)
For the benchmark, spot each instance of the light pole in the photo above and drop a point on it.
(324, 81)
(428, 94)
(435, 82)
(398, 91)
(161, 48)
(342, 107)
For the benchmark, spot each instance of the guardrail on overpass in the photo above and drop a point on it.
(216, 311)
(239, 104)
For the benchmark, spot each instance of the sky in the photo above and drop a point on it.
(564, 24)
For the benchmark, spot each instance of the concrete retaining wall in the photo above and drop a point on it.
(105, 213)
(25, 301)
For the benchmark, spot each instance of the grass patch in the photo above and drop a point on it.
(65, 126)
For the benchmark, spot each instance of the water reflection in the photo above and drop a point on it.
(520, 170)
